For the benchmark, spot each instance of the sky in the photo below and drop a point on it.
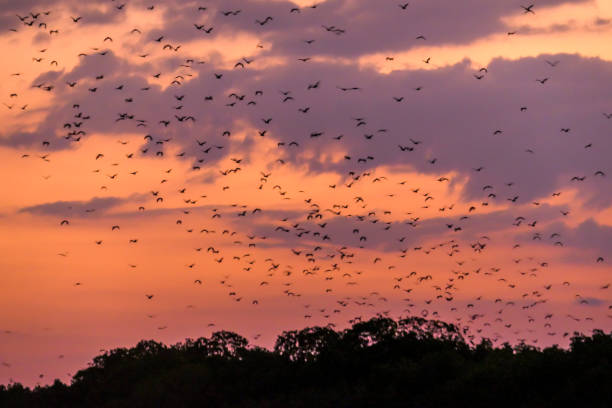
(174, 168)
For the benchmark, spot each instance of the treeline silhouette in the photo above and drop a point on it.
(381, 362)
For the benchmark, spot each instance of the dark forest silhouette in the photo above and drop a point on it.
(381, 362)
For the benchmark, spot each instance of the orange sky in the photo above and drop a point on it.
(63, 294)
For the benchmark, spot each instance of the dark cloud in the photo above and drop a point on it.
(492, 229)
(145, 105)
(589, 301)
(589, 236)
(385, 28)
(96, 205)
(48, 13)
(453, 117)
(581, 245)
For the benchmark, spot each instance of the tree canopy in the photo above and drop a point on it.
(381, 362)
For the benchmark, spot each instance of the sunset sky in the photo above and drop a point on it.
(340, 159)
